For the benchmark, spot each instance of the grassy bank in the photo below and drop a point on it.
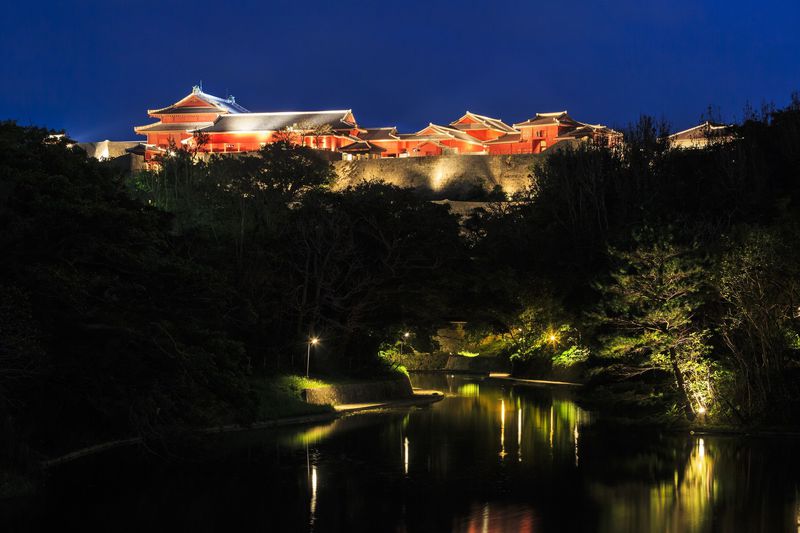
(281, 396)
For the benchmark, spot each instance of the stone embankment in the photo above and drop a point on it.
(478, 365)
(360, 393)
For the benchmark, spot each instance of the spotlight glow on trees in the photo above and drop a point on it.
(552, 337)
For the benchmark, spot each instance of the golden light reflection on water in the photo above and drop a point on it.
(683, 503)
(405, 456)
(502, 429)
(313, 434)
(313, 505)
(519, 434)
(674, 485)
(469, 390)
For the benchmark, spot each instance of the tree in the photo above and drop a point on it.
(365, 259)
(542, 338)
(315, 131)
(292, 169)
(106, 330)
(759, 282)
(650, 305)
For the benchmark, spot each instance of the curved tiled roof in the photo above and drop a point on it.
(446, 132)
(362, 147)
(545, 119)
(487, 122)
(303, 120)
(172, 126)
(701, 131)
(226, 105)
(378, 134)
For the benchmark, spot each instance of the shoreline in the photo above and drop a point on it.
(420, 398)
(645, 425)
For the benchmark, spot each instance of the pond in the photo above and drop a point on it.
(491, 456)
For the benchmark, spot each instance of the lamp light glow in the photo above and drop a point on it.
(313, 341)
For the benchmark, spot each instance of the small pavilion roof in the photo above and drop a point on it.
(362, 147)
(445, 133)
(139, 149)
(379, 134)
(548, 119)
(587, 130)
(302, 120)
(488, 122)
(701, 130)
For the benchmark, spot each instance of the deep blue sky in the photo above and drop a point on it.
(94, 68)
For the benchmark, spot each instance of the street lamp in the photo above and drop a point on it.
(406, 335)
(311, 342)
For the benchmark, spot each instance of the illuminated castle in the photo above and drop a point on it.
(224, 126)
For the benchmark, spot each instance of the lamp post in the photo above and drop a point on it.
(403, 342)
(311, 342)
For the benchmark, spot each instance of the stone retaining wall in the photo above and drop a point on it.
(367, 392)
(438, 173)
(475, 364)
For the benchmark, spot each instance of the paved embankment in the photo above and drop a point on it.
(420, 397)
(360, 392)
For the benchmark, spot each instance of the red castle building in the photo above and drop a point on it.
(228, 127)
(224, 126)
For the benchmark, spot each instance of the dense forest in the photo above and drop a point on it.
(666, 279)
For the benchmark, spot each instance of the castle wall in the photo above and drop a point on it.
(511, 172)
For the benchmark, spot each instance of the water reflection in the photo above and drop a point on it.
(405, 455)
(313, 504)
(497, 517)
(681, 501)
(519, 433)
(490, 457)
(502, 429)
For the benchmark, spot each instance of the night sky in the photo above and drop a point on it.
(94, 68)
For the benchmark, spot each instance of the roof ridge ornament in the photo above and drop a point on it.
(197, 89)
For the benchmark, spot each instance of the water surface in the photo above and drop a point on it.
(491, 456)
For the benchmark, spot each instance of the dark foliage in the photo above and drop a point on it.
(106, 331)
(734, 203)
